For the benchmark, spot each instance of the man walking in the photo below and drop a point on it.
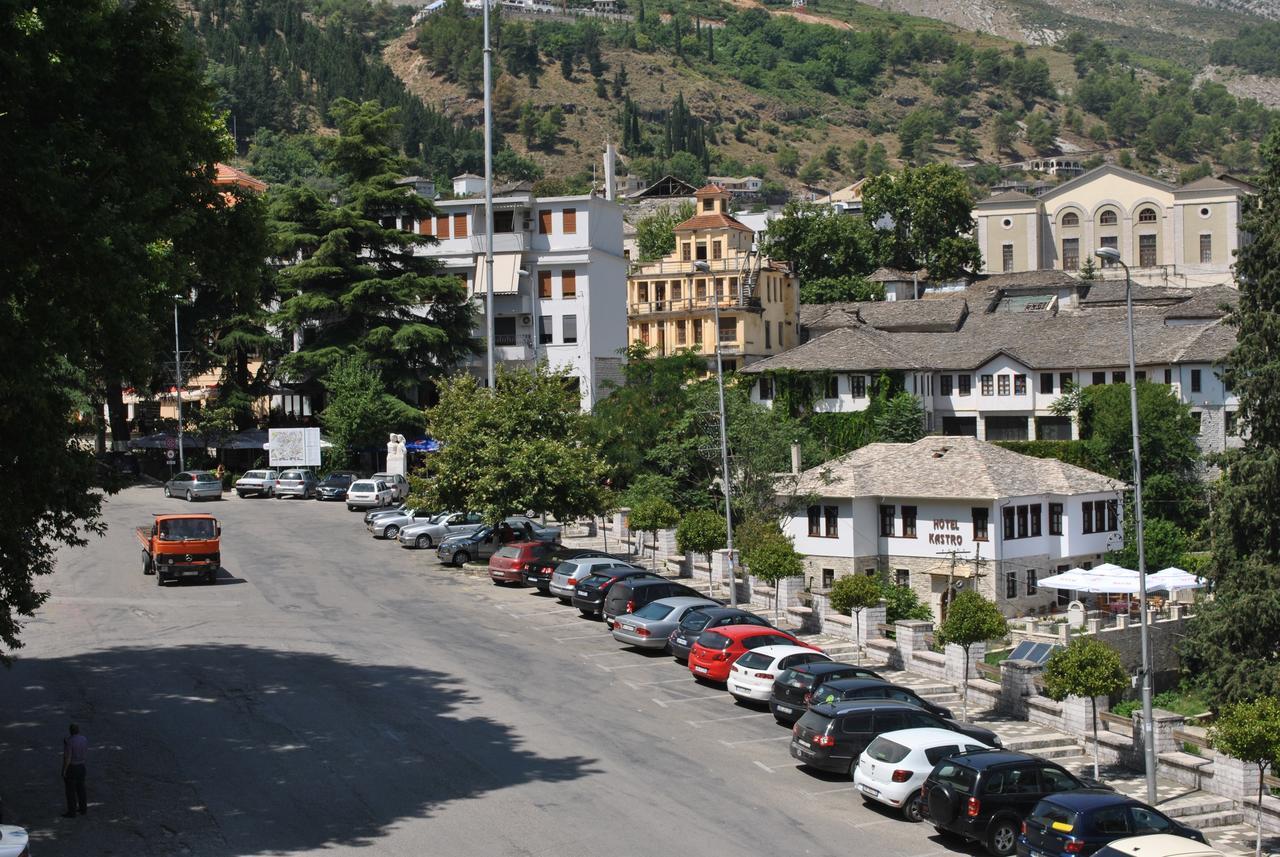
(75, 750)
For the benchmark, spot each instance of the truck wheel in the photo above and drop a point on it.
(211, 577)
(146, 564)
(159, 578)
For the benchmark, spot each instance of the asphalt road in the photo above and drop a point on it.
(338, 693)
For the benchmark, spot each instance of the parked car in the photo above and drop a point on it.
(649, 626)
(14, 841)
(479, 544)
(425, 534)
(260, 483)
(538, 572)
(335, 485)
(398, 484)
(832, 736)
(895, 765)
(836, 690)
(194, 485)
(695, 622)
(590, 593)
(383, 512)
(751, 677)
(296, 483)
(1081, 822)
(714, 653)
(984, 796)
(793, 687)
(1157, 845)
(366, 493)
(389, 526)
(627, 596)
(537, 531)
(508, 563)
(565, 579)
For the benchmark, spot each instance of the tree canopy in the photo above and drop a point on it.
(1086, 667)
(932, 224)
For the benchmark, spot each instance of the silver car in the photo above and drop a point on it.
(374, 514)
(296, 483)
(389, 526)
(194, 485)
(396, 482)
(538, 532)
(571, 572)
(649, 627)
(258, 482)
(424, 534)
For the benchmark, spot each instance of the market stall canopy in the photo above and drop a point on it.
(166, 440)
(423, 444)
(1173, 579)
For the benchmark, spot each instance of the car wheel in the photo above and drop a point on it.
(188, 495)
(587, 614)
(946, 834)
(564, 600)
(461, 558)
(913, 809)
(1002, 838)
(423, 542)
(391, 532)
(350, 508)
(167, 492)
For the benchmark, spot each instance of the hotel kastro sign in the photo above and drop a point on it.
(946, 531)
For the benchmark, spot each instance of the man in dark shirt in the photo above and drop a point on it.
(75, 751)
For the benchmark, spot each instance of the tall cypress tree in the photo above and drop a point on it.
(357, 286)
(1233, 647)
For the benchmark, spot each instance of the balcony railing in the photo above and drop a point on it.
(732, 266)
(727, 302)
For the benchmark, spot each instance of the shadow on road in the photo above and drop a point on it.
(227, 750)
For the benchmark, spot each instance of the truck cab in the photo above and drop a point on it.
(177, 547)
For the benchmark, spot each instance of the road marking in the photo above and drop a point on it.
(767, 769)
(139, 602)
(699, 723)
(772, 768)
(597, 636)
(625, 667)
(755, 740)
(636, 685)
(539, 613)
(837, 791)
(665, 702)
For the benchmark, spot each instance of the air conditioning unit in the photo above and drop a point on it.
(526, 320)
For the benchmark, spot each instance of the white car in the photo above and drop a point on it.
(752, 675)
(368, 493)
(13, 841)
(894, 766)
(1157, 845)
(396, 482)
(259, 482)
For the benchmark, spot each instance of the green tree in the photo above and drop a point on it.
(1250, 731)
(858, 157)
(787, 160)
(1233, 645)
(967, 143)
(901, 420)
(656, 235)
(772, 560)
(971, 619)
(828, 290)
(650, 515)
(852, 594)
(701, 531)
(356, 283)
(1165, 542)
(877, 159)
(522, 447)
(1003, 130)
(1086, 667)
(813, 171)
(1041, 133)
(821, 243)
(359, 412)
(931, 209)
(109, 139)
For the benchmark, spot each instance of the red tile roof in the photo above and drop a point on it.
(229, 175)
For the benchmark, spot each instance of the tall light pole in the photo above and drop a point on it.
(177, 390)
(488, 198)
(704, 268)
(1111, 254)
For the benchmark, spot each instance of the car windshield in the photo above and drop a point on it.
(714, 641)
(508, 552)
(207, 477)
(363, 486)
(595, 579)
(654, 610)
(256, 474)
(292, 474)
(959, 777)
(695, 621)
(1049, 815)
(814, 722)
(884, 750)
(180, 529)
(754, 661)
(337, 479)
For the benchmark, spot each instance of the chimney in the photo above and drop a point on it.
(795, 458)
(609, 155)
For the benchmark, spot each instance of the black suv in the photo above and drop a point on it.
(628, 596)
(838, 689)
(792, 688)
(590, 593)
(832, 735)
(538, 572)
(985, 795)
(704, 619)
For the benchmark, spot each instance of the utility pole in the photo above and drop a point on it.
(177, 390)
(488, 200)
(725, 485)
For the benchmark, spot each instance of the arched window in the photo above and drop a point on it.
(1107, 218)
(1147, 215)
(1070, 219)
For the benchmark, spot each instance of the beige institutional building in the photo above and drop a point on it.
(671, 302)
(1172, 235)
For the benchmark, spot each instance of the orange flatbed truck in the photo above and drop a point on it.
(175, 547)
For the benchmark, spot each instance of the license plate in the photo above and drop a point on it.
(190, 572)
(681, 641)
(876, 793)
(621, 627)
(786, 710)
(583, 593)
(803, 743)
(699, 669)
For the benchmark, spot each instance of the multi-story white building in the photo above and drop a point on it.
(560, 279)
(945, 513)
(992, 361)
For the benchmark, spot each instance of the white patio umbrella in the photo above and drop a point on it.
(1174, 579)
(1105, 578)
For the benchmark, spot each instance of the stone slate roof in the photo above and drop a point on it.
(846, 349)
(960, 468)
(1111, 293)
(1043, 279)
(942, 313)
(896, 275)
(1212, 302)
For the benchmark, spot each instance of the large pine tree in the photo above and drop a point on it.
(358, 286)
(1233, 648)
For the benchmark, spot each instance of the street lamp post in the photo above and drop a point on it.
(488, 201)
(1111, 254)
(177, 390)
(703, 267)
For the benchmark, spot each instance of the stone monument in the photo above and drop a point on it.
(396, 455)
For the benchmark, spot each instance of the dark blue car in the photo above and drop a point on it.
(1078, 823)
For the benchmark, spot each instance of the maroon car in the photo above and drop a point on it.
(508, 563)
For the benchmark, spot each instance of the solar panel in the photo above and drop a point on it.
(1037, 653)
(1021, 650)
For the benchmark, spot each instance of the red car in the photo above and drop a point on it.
(715, 651)
(508, 562)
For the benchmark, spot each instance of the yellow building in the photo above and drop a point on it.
(671, 302)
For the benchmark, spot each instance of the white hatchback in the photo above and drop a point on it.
(367, 493)
(752, 675)
(894, 766)
(13, 841)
